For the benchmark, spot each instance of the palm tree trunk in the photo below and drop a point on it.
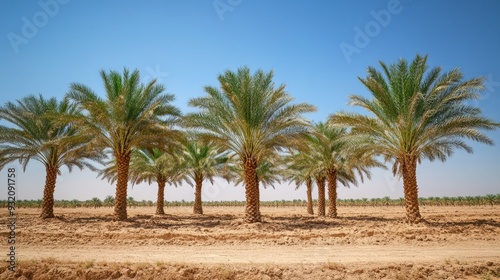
(410, 186)
(309, 196)
(122, 161)
(198, 208)
(252, 211)
(320, 181)
(48, 192)
(160, 199)
(332, 193)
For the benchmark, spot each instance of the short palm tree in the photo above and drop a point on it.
(338, 161)
(41, 131)
(252, 118)
(109, 201)
(148, 166)
(298, 170)
(202, 160)
(417, 114)
(132, 115)
(268, 174)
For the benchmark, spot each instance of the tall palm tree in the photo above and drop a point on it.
(148, 166)
(41, 131)
(131, 115)
(417, 114)
(252, 118)
(338, 161)
(202, 160)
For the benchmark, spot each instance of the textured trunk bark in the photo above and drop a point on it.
(48, 193)
(252, 211)
(160, 199)
(309, 196)
(198, 207)
(410, 186)
(122, 161)
(332, 193)
(321, 195)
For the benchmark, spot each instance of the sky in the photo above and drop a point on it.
(318, 49)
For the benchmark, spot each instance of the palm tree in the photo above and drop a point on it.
(96, 202)
(418, 114)
(251, 118)
(150, 166)
(132, 115)
(41, 131)
(308, 181)
(131, 201)
(338, 160)
(202, 160)
(109, 201)
(298, 170)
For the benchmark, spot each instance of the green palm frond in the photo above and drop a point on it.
(203, 159)
(269, 173)
(148, 166)
(332, 149)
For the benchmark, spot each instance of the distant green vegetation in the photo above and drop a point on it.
(486, 200)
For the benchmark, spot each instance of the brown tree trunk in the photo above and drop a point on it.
(410, 186)
(122, 161)
(252, 211)
(198, 207)
(332, 193)
(309, 196)
(320, 181)
(48, 193)
(160, 199)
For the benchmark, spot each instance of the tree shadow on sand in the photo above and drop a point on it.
(478, 223)
(365, 218)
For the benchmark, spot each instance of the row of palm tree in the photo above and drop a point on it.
(246, 130)
(485, 200)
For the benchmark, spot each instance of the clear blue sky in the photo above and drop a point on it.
(317, 48)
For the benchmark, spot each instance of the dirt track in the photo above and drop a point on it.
(344, 254)
(461, 242)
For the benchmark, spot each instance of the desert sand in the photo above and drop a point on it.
(363, 243)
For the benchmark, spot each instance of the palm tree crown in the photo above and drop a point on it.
(418, 114)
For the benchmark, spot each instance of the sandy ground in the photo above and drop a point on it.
(363, 243)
